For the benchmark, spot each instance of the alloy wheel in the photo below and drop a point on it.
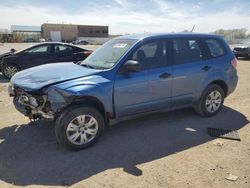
(82, 129)
(9, 71)
(213, 101)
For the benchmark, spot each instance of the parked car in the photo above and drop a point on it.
(51, 52)
(81, 42)
(242, 50)
(125, 78)
(6, 53)
(42, 40)
(30, 40)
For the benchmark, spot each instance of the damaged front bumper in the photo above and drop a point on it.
(31, 105)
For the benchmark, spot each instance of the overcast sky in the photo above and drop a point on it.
(130, 16)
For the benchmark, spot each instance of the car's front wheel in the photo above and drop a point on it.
(79, 127)
(9, 70)
(211, 100)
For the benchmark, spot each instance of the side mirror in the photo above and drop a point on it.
(25, 52)
(131, 66)
(12, 50)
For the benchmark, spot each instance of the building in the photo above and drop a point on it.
(69, 32)
(26, 32)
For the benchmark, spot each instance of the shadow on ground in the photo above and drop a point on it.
(29, 154)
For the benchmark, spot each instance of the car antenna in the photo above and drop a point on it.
(192, 28)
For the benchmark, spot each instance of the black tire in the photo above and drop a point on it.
(68, 115)
(202, 108)
(5, 68)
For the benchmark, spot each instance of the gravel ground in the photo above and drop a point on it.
(163, 150)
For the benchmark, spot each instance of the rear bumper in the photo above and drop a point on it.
(232, 84)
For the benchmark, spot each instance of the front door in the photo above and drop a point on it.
(37, 55)
(146, 90)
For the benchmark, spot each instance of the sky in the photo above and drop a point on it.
(130, 16)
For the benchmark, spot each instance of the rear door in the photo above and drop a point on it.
(63, 53)
(80, 54)
(148, 89)
(190, 68)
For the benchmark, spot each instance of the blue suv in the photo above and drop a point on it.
(127, 77)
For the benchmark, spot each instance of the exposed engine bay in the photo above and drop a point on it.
(36, 106)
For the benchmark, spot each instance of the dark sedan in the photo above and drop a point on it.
(242, 50)
(40, 54)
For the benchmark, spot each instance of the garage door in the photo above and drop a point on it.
(55, 36)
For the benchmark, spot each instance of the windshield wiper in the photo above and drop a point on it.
(88, 66)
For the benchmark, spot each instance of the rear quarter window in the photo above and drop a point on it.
(215, 47)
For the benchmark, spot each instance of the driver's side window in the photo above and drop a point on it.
(150, 55)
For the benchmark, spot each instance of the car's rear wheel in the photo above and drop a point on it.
(211, 101)
(9, 70)
(79, 127)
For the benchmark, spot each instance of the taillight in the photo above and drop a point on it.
(234, 63)
(87, 53)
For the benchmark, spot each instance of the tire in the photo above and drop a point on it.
(78, 127)
(9, 70)
(211, 101)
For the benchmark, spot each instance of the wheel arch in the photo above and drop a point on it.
(91, 101)
(222, 84)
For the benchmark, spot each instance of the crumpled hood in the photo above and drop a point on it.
(38, 77)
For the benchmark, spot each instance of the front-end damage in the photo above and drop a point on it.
(46, 103)
(32, 104)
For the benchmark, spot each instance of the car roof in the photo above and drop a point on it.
(167, 35)
(60, 43)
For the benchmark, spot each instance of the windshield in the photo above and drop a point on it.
(23, 49)
(108, 54)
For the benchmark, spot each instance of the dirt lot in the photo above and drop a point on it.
(163, 150)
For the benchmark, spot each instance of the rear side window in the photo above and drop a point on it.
(62, 49)
(78, 49)
(215, 47)
(187, 51)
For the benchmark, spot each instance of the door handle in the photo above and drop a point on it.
(165, 75)
(206, 68)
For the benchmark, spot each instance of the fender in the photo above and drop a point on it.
(64, 94)
(213, 76)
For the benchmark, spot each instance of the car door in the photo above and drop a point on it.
(190, 68)
(148, 89)
(37, 55)
(63, 53)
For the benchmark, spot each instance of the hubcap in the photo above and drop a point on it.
(10, 71)
(213, 101)
(82, 129)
